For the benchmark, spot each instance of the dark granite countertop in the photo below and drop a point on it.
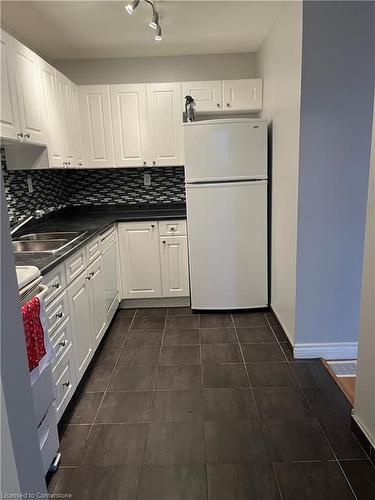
(93, 220)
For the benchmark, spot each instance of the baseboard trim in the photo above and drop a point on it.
(162, 302)
(331, 350)
(282, 324)
(363, 436)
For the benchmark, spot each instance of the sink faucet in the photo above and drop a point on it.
(20, 224)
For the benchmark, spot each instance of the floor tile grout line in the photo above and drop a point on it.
(317, 420)
(151, 407)
(203, 420)
(108, 383)
(255, 404)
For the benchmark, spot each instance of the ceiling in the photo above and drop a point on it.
(87, 29)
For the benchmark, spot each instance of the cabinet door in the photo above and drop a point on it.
(130, 131)
(97, 306)
(139, 260)
(52, 116)
(207, 95)
(165, 123)
(29, 93)
(76, 125)
(9, 113)
(79, 302)
(242, 95)
(174, 266)
(96, 126)
(67, 125)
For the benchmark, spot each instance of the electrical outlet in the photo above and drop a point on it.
(147, 179)
(30, 184)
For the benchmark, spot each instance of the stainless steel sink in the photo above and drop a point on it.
(51, 236)
(45, 242)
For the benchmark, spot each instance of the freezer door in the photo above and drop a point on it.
(226, 150)
(227, 234)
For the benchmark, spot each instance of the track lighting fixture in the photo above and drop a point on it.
(131, 6)
(158, 36)
(154, 23)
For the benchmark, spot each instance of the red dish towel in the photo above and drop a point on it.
(34, 333)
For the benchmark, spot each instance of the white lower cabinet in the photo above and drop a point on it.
(97, 304)
(174, 266)
(79, 304)
(153, 266)
(139, 260)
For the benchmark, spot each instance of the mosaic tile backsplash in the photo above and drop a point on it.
(55, 189)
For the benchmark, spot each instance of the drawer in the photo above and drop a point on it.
(62, 339)
(55, 281)
(172, 227)
(75, 265)
(43, 394)
(93, 249)
(108, 238)
(48, 438)
(64, 381)
(57, 312)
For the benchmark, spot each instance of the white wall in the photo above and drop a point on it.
(158, 69)
(279, 64)
(364, 406)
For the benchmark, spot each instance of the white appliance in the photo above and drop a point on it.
(226, 194)
(110, 272)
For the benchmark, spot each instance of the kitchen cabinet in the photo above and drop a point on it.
(174, 266)
(165, 123)
(66, 120)
(242, 95)
(10, 124)
(76, 125)
(29, 92)
(97, 305)
(96, 126)
(111, 271)
(52, 115)
(80, 313)
(139, 259)
(130, 125)
(208, 96)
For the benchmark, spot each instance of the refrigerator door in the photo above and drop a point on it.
(228, 149)
(227, 234)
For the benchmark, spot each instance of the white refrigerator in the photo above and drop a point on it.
(226, 196)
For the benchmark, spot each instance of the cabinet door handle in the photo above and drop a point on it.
(79, 164)
(66, 383)
(164, 242)
(228, 105)
(92, 273)
(218, 105)
(27, 136)
(88, 278)
(59, 315)
(154, 162)
(152, 226)
(20, 134)
(62, 343)
(56, 285)
(144, 163)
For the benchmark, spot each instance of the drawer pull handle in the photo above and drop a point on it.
(59, 315)
(62, 343)
(88, 277)
(152, 225)
(164, 242)
(92, 273)
(173, 228)
(66, 383)
(56, 285)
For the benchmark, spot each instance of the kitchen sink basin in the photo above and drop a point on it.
(50, 236)
(45, 242)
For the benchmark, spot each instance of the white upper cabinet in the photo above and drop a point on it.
(96, 125)
(139, 260)
(29, 93)
(165, 123)
(66, 119)
(242, 95)
(9, 113)
(76, 125)
(52, 115)
(130, 130)
(207, 95)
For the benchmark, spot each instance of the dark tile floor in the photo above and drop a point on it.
(179, 405)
